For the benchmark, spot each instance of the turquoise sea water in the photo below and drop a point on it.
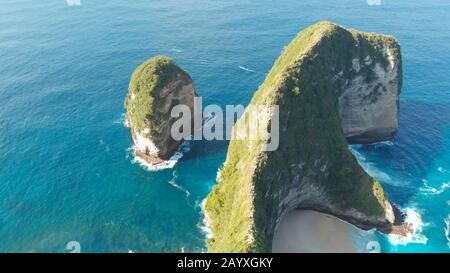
(66, 171)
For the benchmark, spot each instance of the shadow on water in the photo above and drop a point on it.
(204, 148)
(417, 144)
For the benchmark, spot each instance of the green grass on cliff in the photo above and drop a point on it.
(251, 183)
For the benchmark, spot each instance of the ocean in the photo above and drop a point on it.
(67, 172)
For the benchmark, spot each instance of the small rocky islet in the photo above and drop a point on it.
(333, 86)
(156, 86)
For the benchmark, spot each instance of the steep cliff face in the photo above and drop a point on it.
(369, 89)
(156, 86)
(330, 83)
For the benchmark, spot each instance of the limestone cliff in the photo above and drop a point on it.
(155, 87)
(331, 84)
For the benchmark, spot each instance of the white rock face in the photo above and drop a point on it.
(369, 107)
(145, 144)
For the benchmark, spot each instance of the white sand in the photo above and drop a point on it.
(310, 231)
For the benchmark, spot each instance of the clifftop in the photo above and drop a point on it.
(331, 84)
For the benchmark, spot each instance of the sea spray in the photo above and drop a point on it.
(122, 120)
(205, 224)
(176, 50)
(417, 225)
(167, 164)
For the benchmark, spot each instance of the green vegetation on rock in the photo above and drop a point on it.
(312, 168)
(156, 86)
(148, 77)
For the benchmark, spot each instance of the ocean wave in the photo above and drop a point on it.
(205, 224)
(218, 173)
(416, 237)
(246, 69)
(353, 148)
(431, 190)
(370, 168)
(122, 120)
(173, 183)
(383, 144)
(168, 164)
(442, 170)
(447, 230)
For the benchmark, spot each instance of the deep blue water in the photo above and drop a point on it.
(66, 172)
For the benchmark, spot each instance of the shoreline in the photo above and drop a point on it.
(308, 231)
(145, 161)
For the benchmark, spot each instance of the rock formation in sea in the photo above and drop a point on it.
(156, 86)
(333, 86)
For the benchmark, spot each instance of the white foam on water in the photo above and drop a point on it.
(442, 170)
(432, 190)
(355, 152)
(383, 144)
(173, 183)
(167, 164)
(373, 2)
(417, 225)
(370, 168)
(219, 170)
(246, 69)
(447, 230)
(122, 120)
(205, 224)
(129, 152)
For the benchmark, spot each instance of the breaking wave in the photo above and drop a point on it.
(122, 120)
(416, 237)
(370, 168)
(167, 164)
(205, 224)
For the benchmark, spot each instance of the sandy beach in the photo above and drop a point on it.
(310, 231)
